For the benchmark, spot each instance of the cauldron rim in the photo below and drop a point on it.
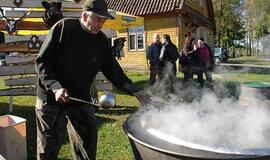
(145, 144)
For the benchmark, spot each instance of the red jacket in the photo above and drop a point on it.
(204, 55)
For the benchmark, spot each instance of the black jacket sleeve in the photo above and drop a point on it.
(169, 53)
(114, 73)
(47, 58)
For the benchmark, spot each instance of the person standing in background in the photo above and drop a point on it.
(196, 65)
(207, 59)
(168, 57)
(184, 59)
(153, 57)
(190, 61)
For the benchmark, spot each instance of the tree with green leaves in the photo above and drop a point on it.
(257, 18)
(230, 28)
(260, 14)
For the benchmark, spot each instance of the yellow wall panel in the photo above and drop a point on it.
(165, 24)
(124, 33)
(161, 26)
(132, 59)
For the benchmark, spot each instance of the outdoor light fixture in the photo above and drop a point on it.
(17, 3)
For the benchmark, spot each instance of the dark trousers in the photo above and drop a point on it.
(200, 78)
(154, 72)
(208, 76)
(208, 73)
(168, 75)
(52, 122)
(187, 76)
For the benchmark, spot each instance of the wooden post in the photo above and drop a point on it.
(10, 108)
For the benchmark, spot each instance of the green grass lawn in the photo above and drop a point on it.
(245, 77)
(112, 141)
(113, 144)
(249, 60)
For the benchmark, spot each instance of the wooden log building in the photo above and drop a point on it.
(173, 17)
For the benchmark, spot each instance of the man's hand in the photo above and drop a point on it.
(143, 97)
(61, 95)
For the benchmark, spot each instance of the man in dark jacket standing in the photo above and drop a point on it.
(71, 56)
(153, 57)
(168, 57)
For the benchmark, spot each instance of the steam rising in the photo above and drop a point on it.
(206, 119)
(265, 45)
(213, 123)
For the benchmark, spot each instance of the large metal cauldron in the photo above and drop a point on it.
(148, 147)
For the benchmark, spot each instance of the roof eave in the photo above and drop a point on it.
(197, 17)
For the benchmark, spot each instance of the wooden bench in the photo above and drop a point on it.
(21, 81)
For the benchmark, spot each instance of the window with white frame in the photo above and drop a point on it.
(136, 39)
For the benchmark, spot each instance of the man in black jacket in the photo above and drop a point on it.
(71, 56)
(168, 57)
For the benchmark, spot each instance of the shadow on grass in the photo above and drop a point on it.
(103, 120)
(248, 68)
(227, 89)
(239, 61)
(118, 110)
(142, 84)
